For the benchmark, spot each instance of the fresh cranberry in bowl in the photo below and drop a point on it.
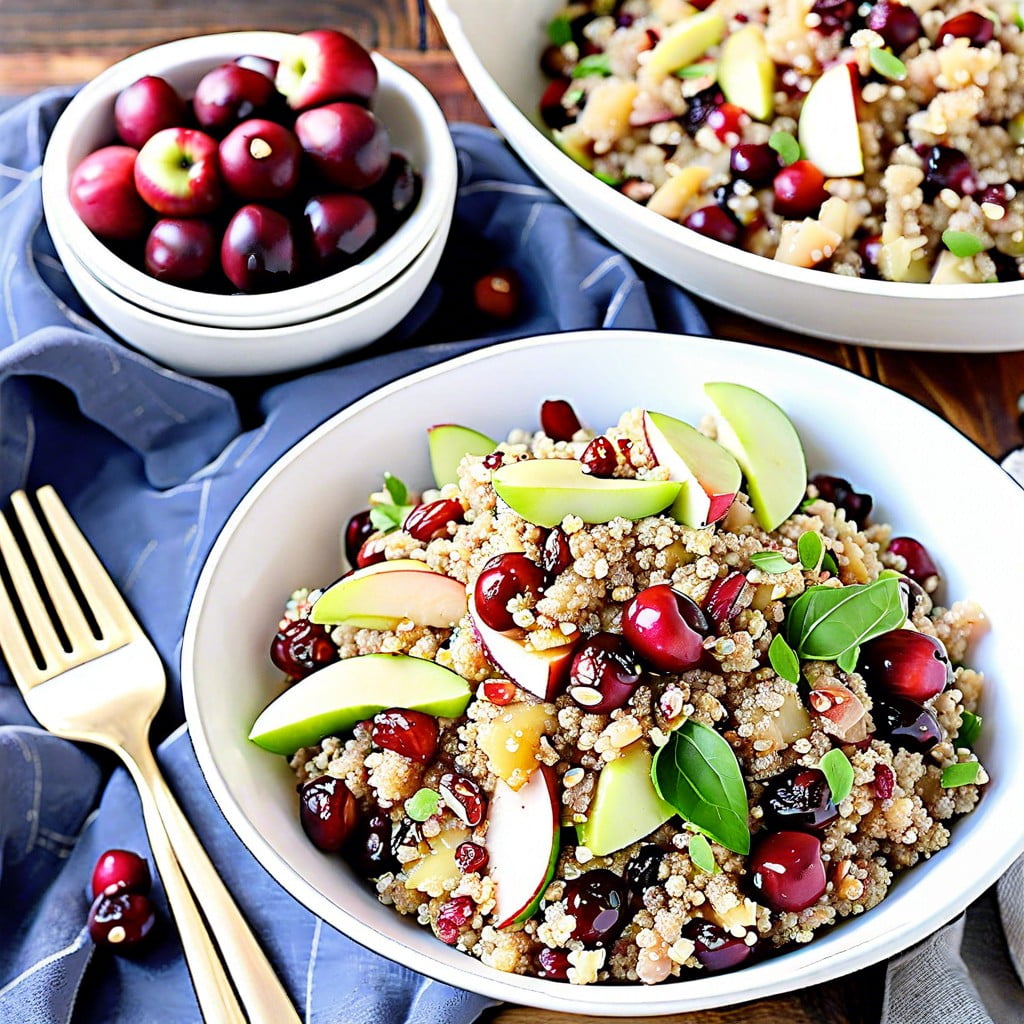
(897, 23)
(798, 798)
(799, 190)
(919, 564)
(180, 249)
(412, 734)
(905, 663)
(558, 419)
(666, 628)
(597, 902)
(603, 674)
(430, 520)
(714, 947)
(787, 871)
(970, 25)
(599, 458)
(229, 94)
(120, 870)
(755, 162)
(504, 578)
(328, 812)
(713, 222)
(301, 647)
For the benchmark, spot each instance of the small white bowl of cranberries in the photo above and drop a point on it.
(248, 181)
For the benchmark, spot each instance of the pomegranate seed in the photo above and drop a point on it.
(301, 647)
(553, 964)
(885, 781)
(503, 578)
(904, 663)
(603, 673)
(946, 167)
(556, 555)
(968, 25)
(599, 458)
(905, 724)
(896, 23)
(835, 15)
(412, 734)
(425, 522)
(498, 294)
(370, 847)
(357, 532)
(120, 870)
(463, 796)
(372, 550)
(919, 566)
(727, 121)
(840, 493)
(558, 419)
(798, 798)
(799, 189)
(755, 162)
(494, 461)
(597, 902)
(328, 812)
(453, 917)
(787, 871)
(870, 250)
(713, 222)
(715, 948)
(470, 857)
(122, 920)
(723, 597)
(499, 691)
(666, 628)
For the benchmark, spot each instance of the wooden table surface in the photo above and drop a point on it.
(58, 42)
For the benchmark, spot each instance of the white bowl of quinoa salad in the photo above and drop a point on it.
(811, 163)
(851, 774)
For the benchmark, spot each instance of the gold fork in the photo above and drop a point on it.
(106, 690)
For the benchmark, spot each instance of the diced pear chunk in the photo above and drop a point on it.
(951, 269)
(605, 118)
(806, 243)
(682, 44)
(512, 740)
(575, 143)
(792, 722)
(672, 198)
(896, 260)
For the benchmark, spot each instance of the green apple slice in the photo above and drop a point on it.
(625, 807)
(545, 491)
(828, 130)
(522, 844)
(765, 443)
(333, 699)
(710, 476)
(746, 74)
(449, 444)
(383, 595)
(683, 43)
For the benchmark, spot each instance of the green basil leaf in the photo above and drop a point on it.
(887, 64)
(700, 70)
(847, 661)
(783, 660)
(593, 64)
(961, 774)
(825, 622)
(423, 804)
(838, 773)
(560, 30)
(811, 549)
(702, 855)
(962, 243)
(829, 563)
(786, 146)
(697, 773)
(398, 491)
(772, 562)
(970, 729)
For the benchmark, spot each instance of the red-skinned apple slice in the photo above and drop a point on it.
(322, 66)
(709, 474)
(541, 673)
(828, 130)
(522, 844)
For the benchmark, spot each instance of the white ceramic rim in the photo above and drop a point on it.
(520, 128)
(291, 305)
(621, 1000)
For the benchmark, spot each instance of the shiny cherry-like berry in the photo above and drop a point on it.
(799, 190)
(357, 531)
(597, 901)
(787, 870)
(641, 870)
(798, 798)
(713, 222)
(120, 870)
(558, 419)
(425, 522)
(906, 724)
(470, 857)
(727, 121)
(905, 663)
(369, 848)
(412, 734)
(599, 458)
(840, 492)
(946, 167)
(920, 565)
(498, 294)
(969, 25)
(714, 947)
(464, 797)
(723, 598)
(603, 673)
(897, 23)
(755, 162)
(328, 812)
(121, 920)
(666, 628)
(301, 647)
(502, 579)
(553, 964)
(556, 555)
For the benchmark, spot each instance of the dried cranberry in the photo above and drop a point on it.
(969, 25)
(603, 673)
(556, 556)
(498, 294)
(799, 190)
(412, 734)
(905, 663)
(840, 493)
(713, 222)
(425, 522)
(905, 724)
(372, 550)
(463, 796)
(787, 871)
(919, 563)
(835, 15)
(503, 578)
(499, 691)
(470, 857)
(494, 461)
(599, 458)
(597, 902)
(946, 167)
(723, 597)
(755, 162)
(553, 964)
(328, 812)
(641, 870)
(897, 23)
(715, 948)
(120, 870)
(357, 532)
(666, 628)
(700, 106)
(369, 848)
(453, 917)
(558, 419)
(798, 798)
(885, 781)
(121, 920)
(301, 647)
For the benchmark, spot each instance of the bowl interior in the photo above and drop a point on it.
(934, 487)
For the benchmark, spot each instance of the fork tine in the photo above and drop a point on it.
(13, 644)
(64, 600)
(35, 612)
(116, 622)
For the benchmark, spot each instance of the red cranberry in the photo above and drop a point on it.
(870, 249)
(470, 857)
(328, 812)
(787, 871)
(799, 190)
(603, 674)
(358, 529)
(968, 25)
(998, 195)
(896, 23)
(905, 663)
(453, 917)
(723, 597)
(302, 647)
(641, 870)
(499, 691)
(597, 901)
(885, 781)
(558, 419)
(727, 121)
(120, 870)
(714, 947)
(835, 15)
(463, 796)
(906, 724)
(553, 964)
(946, 167)
(552, 111)
(840, 493)
(798, 798)
(121, 920)
(666, 628)
(755, 162)
(503, 578)
(412, 734)
(494, 461)
(556, 555)
(425, 522)
(372, 550)
(599, 458)
(713, 222)
(920, 566)
(370, 850)
(498, 294)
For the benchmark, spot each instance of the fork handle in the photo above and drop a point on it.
(261, 992)
(217, 1000)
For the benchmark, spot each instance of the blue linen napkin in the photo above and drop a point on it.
(151, 463)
